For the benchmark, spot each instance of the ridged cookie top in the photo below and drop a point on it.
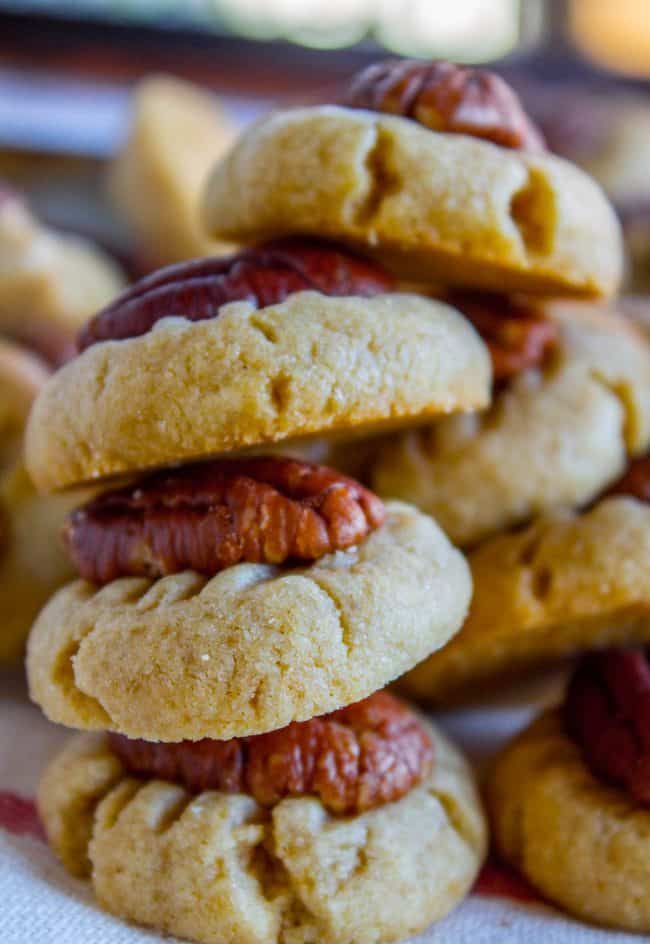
(433, 206)
(254, 648)
(311, 365)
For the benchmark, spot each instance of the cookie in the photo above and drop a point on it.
(21, 377)
(311, 365)
(49, 282)
(253, 648)
(219, 868)
(434, 207)
(582, 843)
(32, 562)
(567, 583)
(553, 438)
(177, 133)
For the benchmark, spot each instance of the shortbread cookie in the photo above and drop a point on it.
(311, 365)
(434, 207)
(255, 647)
(21, 377)
(567, 583)
(49, 282)
(32, 562)
(553, 438)
(177, 133)
(220, 869)
(582, 843)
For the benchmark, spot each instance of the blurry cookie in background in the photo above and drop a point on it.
(32, 561)
(177, 133)
(50, 282)
(569, 798)
(21, 376)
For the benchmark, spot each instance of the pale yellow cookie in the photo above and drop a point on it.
(32, 562)
(552, 438)
(177, 133)
(583, 844)
(219, 869)
(21, 377)
(567, 583)
(311, 365)
(255, 647)
(434, 207)
(50, 283)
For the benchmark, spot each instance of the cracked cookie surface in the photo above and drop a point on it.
(312, 365)
(217, 868)
(553, 438)
(567, 583)
(255, 647)
(433, 207)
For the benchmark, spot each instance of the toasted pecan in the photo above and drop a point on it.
(517, 336)
(264, 275)
(212, 515)
(354, 759)
(607, 712)
(635, 481)
(446, 97)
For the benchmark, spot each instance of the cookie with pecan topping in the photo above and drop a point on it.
(474, 203)
(312, 365)
(253, 648)
(581, 841)
(557, 434)
(282, 873)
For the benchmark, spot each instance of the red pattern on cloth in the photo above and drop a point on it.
(19, 817)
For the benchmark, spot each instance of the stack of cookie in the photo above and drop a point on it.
(438, 172)
(236, 617)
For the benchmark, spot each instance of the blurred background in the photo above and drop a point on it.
(94, 149)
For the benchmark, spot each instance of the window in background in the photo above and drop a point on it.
(466, 30)
(613, 33)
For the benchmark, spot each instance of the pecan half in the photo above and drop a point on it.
(607, 712)
(635, 481)
(354, 759)
(517, 337)
(446, 97)
(213, 515)
(262, 276)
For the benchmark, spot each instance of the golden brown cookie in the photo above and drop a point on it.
(253, 648)
(50, 283)
(219, 869)
(311, 365)
(567, 583)
(21, 377)
(553, 438)
(177, 133)
(434, 207)
(582, 843)
(32, 562)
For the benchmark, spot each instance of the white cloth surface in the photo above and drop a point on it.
(42, 904)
